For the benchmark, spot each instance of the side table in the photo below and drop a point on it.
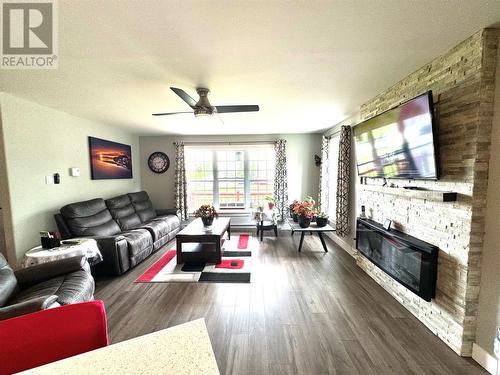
(313, 228)
(85, 247)
(266, 225)
(265, 220)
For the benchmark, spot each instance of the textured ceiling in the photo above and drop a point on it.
(306, 63)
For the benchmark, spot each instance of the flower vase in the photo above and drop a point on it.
(321, 222)
(304, 221)
(207, 221)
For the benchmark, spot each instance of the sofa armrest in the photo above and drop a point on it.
(168, 211)
(111, 248)
(27, 307)
(46, 271)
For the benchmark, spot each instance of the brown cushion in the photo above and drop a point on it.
(123, 212)
(143, 206)
(8, 282)
(90, 218)
(138, 240)
(162, 226)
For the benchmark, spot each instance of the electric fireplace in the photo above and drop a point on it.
(408, 260)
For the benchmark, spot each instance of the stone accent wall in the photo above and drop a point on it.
(462, 82)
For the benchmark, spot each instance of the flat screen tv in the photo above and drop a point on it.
(399, 143)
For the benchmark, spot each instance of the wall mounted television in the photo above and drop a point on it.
(399, 143)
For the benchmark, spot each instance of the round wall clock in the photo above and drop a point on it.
(158, 162)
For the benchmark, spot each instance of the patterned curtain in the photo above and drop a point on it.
(323, 193)
(280, 179)
(180, 180)
(342, 211)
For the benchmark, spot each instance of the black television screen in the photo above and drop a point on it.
(398, 143)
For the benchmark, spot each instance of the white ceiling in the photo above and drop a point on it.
(306, 63)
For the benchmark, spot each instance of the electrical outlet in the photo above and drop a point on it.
(49, 180)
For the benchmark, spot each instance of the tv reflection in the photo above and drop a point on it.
(398, 143)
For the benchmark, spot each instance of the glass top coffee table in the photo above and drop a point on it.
(313, 228)
(196, 243)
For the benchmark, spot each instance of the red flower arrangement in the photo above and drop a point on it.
(304, 209)
(293, 204)
(206, 210)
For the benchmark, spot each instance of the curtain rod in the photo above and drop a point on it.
(227, 143)
(330, 133)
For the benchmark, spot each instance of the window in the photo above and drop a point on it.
(261, 175)
(199, 173)
(229, 177)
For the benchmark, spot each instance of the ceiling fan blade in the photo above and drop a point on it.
(236, 108)
(184, 96)
(168, 113)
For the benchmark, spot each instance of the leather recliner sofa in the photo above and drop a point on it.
(127, 228)
(61, 282)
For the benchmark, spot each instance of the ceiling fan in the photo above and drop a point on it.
(202, 107)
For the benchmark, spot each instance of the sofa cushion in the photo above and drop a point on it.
(73, 287)
(90, 218)
(123, 212)
(162, 226)
(138, 240)
(143, 206)
(8, 282)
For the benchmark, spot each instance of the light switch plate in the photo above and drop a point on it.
(49, 180)
(74, 172)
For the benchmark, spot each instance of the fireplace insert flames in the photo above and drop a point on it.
(408, 260)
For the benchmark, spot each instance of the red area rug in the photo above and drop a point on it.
(243, 241)
(234, 267)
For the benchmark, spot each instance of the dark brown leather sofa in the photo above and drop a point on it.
(127, 228)
(39, 287)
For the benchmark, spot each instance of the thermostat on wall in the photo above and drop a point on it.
(75, 172)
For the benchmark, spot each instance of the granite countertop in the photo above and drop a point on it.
(183, 349)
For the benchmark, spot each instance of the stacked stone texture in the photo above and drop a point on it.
(462, 82)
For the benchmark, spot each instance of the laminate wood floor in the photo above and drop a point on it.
(303, 313)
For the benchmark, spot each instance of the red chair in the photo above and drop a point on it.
(46, 336)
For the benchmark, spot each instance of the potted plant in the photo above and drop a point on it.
(292, 210)
(270, 202)
(321, 219)
(304, 212)
(310, 200)
(207, 213)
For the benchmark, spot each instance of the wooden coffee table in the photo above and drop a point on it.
(196, 244)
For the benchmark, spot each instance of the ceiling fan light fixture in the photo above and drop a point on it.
(202, 107)
(203, 111)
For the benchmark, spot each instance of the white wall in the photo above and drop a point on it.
(40, 141)
(489, 295)
(303, 175)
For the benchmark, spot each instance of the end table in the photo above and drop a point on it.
(82, 247)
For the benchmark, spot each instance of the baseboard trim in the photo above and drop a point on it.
(344, 245)
(485, 359)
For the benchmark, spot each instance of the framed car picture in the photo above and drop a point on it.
(109, 160)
